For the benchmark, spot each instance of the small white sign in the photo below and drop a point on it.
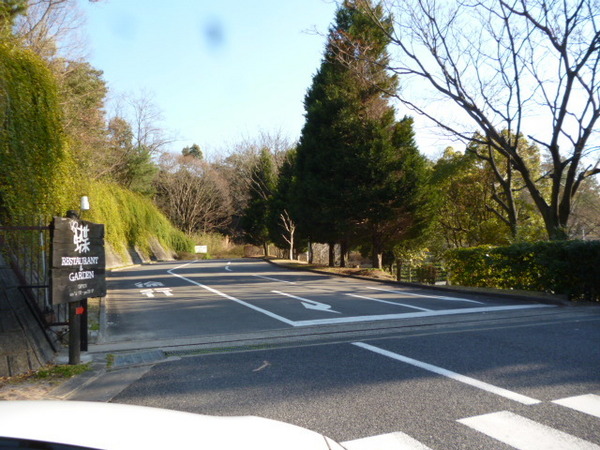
(201, 248)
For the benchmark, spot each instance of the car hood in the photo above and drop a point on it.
(116, 426)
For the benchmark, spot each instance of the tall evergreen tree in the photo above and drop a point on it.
(344, 112)
(360, 175)
(398, 202)
(282, 221)
(255, 221)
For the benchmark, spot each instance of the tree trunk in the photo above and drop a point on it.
(331, 254)
(344, 252)
(377, 254)
(266, 249)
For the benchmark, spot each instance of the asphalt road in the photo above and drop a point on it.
(434, 369)
(205, 298)
(421, 383)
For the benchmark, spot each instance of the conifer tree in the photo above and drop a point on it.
(255, 221)
(351, 174)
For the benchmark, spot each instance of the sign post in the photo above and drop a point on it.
(78, 272)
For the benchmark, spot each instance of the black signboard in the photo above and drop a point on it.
(78, 260)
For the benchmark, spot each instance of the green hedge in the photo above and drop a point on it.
(571, 268)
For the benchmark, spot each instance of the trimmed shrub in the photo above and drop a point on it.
(570, 268)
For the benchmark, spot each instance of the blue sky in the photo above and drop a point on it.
(220, 71)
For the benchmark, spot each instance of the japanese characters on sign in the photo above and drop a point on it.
(78, 260)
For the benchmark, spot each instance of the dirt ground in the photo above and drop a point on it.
(27, 390)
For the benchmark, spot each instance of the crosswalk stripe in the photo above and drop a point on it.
(453, 375)
(588, 404)
(390, 441)
(525, 434)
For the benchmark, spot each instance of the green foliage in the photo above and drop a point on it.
(571, 268)
(358, 171)
(279, 208)
(132, 219)
(9, 10)
(82, 91)
(130, 165)
(256, 216)
(194, 151)
(61, 372)
(38, 175)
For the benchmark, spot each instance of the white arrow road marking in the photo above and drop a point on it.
(227, 296)
(451, 299)
(389, 303)
(389, 441)
(265, 364)
(166, 291)
(227, 268)
(148, 292)
(310, 304)
(452, 375)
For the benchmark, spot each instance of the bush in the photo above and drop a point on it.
(570, 268)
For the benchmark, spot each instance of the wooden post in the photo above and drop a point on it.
(74, 335)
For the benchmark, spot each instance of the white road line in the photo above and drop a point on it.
(588, 404)
(237, 300)
(524, 434)
(388, 302)
(356, 319)
(389, 441)
(274, 279)
(412, 315)
(438, 297)
(227, 267)
(453, 375)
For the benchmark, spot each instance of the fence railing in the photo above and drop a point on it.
(26, 249)
(426, 273)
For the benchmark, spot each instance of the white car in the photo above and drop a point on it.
(59, 425)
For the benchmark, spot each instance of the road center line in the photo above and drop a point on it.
(389, 303)
(450, 299)
(453, 375)
(229, 297)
